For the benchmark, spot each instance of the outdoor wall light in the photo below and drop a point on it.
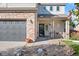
(31, 21)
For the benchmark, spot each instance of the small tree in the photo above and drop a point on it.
(75, 13)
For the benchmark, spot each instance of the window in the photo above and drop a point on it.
(51, 8)
(58, 8)
(44, 7)
(46, 27)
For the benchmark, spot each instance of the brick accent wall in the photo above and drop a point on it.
(31, 27)
(15, 15)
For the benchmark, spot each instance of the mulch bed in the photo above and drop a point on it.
(48, 50)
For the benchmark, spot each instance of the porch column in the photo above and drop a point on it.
(67, 28)
(51, 36)
(53, 29)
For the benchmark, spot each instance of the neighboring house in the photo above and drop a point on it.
(22, 21)
(77, 27)
(75, 32)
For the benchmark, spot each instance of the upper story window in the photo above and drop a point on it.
(44, 7)
(57, 8)
(51, 8)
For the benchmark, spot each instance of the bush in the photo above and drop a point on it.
(74, 38)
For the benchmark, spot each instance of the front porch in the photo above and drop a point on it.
(52, 28)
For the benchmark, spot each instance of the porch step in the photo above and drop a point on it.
(42, 39)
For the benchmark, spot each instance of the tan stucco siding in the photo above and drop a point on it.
(59, 26)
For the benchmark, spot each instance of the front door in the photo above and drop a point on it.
(41, 30)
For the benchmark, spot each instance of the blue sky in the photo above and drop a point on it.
(69, 6)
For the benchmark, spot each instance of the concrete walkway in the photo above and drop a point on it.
(47, 42)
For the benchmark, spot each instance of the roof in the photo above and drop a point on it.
(60, 4)
(52, 15)
(45, 15)
(42, 11)
(61, 15)
(56, 17)
(73, 31)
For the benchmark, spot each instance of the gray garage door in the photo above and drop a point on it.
(12, 30)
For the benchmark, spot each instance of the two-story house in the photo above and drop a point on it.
(52, 21)
(22, 21)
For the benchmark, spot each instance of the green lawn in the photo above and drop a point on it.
(74, 46)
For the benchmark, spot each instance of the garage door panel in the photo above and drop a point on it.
(12, 30)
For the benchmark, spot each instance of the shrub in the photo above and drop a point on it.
(74, 38)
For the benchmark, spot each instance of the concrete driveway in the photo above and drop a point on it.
(4, 45)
